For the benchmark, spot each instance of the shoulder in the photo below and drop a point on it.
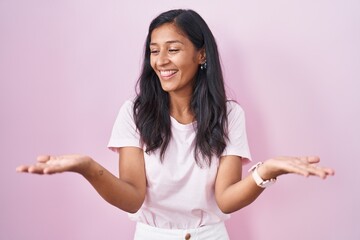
(234, 108)
(126, 112)
(129, 103)
(127, 106)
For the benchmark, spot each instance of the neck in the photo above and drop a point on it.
(180, 109)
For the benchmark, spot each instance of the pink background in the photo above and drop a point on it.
(67, 66)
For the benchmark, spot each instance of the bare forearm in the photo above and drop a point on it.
(114, 190)
(239, 195)
(127, 195)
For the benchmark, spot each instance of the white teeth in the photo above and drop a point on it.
(167, 73)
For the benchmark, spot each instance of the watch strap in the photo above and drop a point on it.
(258, 180)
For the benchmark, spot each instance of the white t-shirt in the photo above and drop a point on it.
(180, 194)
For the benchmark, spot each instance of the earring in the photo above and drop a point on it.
(203, 65)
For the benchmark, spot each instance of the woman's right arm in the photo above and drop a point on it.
(126, 192)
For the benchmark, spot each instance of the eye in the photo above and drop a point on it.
(173, 50)
(154, 51)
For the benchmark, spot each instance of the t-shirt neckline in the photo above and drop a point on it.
(180, 126)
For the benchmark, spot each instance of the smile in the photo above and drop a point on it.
(167, 73)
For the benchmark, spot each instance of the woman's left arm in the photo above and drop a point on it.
(233, 193)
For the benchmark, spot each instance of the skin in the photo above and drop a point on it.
(176, 61)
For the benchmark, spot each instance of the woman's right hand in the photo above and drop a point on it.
(57, 164)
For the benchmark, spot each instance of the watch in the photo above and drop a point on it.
(258, 180)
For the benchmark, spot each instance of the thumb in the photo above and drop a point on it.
(43, 158)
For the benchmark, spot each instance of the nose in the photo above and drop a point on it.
(162, 58)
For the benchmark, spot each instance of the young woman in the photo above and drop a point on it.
(181, 143)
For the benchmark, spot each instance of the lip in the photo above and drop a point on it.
(167, 74)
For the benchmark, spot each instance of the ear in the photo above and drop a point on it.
(202, 56)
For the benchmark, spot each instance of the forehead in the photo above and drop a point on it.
(168, 33)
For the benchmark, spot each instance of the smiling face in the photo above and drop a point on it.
(174, 59)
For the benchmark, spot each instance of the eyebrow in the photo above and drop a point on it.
(171, 41)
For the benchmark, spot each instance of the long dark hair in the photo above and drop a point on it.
(208, 102)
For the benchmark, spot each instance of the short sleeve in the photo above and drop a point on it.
(124, 132)
(237, 144)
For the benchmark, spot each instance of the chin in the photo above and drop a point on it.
(167, 88)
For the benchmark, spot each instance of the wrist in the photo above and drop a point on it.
(265, 171)
(90, 169)
(261, 181)
(84, 165)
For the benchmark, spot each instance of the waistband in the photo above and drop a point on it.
(209, 232)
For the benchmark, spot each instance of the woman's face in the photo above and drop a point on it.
(174, 59)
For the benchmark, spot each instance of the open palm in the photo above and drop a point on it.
(56, 164)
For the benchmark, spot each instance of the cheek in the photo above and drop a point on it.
(191, 67)
(186, 64)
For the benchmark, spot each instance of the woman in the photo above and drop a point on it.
(181, 143)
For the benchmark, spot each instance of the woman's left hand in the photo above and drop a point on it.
(306, 166)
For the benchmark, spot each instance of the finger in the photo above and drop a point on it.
(37, 168)
(297, 169)
(43, 158)
(22, 168)
(310, 170)
(320, 171)
(326, 171)
(317, 171)
(310, 159)
(329, 171)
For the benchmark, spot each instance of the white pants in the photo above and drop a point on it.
(210, 232)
